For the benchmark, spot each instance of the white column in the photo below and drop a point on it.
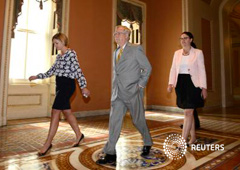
(4, 74)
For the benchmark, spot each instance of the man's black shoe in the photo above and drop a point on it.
(108, 159)
(196, 127)
(145, 150)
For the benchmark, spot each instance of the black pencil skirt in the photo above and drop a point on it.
(65, 88)
(188, 96)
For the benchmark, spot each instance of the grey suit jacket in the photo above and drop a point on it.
(132, 70)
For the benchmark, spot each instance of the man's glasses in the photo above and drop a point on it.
(184, 38)
(118, 33)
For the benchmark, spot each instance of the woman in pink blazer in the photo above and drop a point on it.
(188, 77)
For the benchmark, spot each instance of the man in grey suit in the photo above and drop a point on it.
(131, 70)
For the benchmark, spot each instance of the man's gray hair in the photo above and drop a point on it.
(126, 29)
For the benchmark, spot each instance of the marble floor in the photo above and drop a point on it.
(21, 139)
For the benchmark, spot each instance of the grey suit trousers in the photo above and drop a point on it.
(118, 111)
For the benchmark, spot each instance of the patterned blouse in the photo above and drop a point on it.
(68, 66)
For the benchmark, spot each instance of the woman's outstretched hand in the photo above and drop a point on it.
(32, 78)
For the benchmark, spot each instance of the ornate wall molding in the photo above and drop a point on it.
(7, 32)
(65, 16)
(185, 15)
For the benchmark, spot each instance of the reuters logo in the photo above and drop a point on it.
(175, 146)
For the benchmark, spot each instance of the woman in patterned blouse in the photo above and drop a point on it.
(66, 69)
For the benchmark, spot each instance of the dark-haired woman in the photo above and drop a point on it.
(66, 69)
(188, 77)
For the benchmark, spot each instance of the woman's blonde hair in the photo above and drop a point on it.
(61, 37)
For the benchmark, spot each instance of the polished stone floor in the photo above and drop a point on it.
(21, 139)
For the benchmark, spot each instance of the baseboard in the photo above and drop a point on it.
(91, 113)
(148, 107)
(210, 108)
(176, 109)
(164, 108)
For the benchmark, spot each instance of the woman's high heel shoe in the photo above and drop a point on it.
(44, 153)
(77, 144)
(196, 141)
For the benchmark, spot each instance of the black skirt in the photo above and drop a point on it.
(65, 88)
(188, 96)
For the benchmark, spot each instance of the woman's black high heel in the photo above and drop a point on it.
(44, 153)
(196, 141)
(77, 144)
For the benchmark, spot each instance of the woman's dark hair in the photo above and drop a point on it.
(190, 35)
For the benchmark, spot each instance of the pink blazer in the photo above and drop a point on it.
(196, 68)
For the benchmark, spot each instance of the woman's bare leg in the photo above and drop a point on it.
(52, 130)
(188, 121)
(193, 133)
(73, 123)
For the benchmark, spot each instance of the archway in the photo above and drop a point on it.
(229, 40)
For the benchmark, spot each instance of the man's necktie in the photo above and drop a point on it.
(119, 55)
